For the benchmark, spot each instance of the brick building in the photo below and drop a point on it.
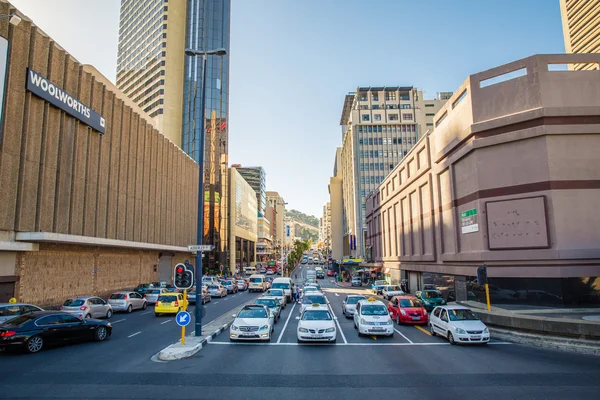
(94, 198)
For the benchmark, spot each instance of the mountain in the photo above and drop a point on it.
(299, 216)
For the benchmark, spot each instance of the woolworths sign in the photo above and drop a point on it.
(54, 95)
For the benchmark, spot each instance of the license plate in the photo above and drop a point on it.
(416, 318)
(377, 329)
(317, 336)
(475, 337)
(247, 335)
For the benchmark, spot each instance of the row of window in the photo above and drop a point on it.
(137, 34)
(386, 106)
(374, 166)
(386, 140)
(382, 153)
(388, 96)
(372, 179)
(386, 128)
(391, 117)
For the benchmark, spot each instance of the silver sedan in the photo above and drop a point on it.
(151, 295)
(349, 304)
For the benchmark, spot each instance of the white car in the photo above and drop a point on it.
(253, 322)
(278, 294)
(372, 318)
(458, 324)
(309, 299)
(390, 291)
(316, 324)
(349, 304)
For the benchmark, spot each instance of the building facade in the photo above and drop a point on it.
(154, 72)
(264, 244)
(87, 180)
(325, 228)
(379, 126)
(581, 28)
(511, 184)
(337, 208)
(244, 223)
(257, 178)
(275, 213)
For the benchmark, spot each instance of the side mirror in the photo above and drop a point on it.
(298, 318)
(335, 318)
(233, 315)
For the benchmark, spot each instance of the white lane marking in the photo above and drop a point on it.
(337, 294)
(329, 344)
(116, 322)
(338, 324)
(137, 333)
(147, 312)
(226, 298)
(164, 322)
(286, 323)
(216, 302)
(400, 333)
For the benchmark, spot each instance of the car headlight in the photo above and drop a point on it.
(461, 331)
(390, 322)
(402, 312)
(330, 330)
(363, 321)
(486, 330)
(264, 327)
(303, 330)
(235, 328)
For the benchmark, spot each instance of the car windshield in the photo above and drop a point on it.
(410, 303)
(432, 295)
(370, 309)
(256, 280)
(155, 291)
(281, 285)
(167, 299)
(19, 321)
(392, 287)
(356, 278)
(354, 300)
(7, 311)
(316, 315)
(144, 285)
(310, 289)
(241, 282)
(378, 283)
(254, 312)
(73, 303)
(313, 300)
(213, 287)
(275, 292)
(267, 302)
(227, 283)
(117, 296)
(462, 314)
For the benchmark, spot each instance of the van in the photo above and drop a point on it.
(286, 284)
(249, 270)
(320, 273)
(258, 283)
(311, 274)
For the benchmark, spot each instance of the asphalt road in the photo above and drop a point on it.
(410, 365)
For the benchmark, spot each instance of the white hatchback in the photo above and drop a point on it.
(316, 324)
(458, 324)
(372, 318)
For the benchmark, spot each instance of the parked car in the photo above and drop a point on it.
(407, 310)
(377, 286)
(458, 324)
(258, 282)
(430, 299)
(242, 285)
(231, 286)
(35, 330)
(273, 304)
(253, 322)
(87, 307)
(287, 285)
(330, 272)
(191, 296)
(349, 304)
(316, 324)
(151, 295)
(168, 303)
(9, 311)
(127, 301)
(279, 294)
(390, 291)
(217, 290)
(143, 288)
(356, 281)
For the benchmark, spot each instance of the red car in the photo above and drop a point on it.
(407, 310)
(330, 273)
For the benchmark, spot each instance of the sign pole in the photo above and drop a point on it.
(487, 297)
(184, 309)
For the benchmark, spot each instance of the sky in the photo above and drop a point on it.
(292, 63)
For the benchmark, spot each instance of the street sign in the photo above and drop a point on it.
(183, 318)
(221, 267)
(201, 247)
(468, 221)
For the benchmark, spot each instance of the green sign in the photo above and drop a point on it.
(468, 221)
(468, 213)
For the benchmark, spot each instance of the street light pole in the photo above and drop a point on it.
(200, 222)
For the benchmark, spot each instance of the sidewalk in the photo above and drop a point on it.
(343, 284)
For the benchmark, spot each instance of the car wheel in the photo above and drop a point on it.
(101, 334)
(109, 314)
(431, 330)
(145, 305)
(344, 312)
(360, 334)
(129, 309)
(451, 338)
(156, 314)
(34, 344)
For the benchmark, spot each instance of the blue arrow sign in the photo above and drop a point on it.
(183, 318)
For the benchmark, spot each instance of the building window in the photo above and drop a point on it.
(390, 95)
(360, 141)
(429, 115)
(372, 167)
(362, 180)
(391, 106)
(405, 96)
(429, 124)
(376, 117)
(374, 96)
(373, 180)
(376, 153)
(393, 117)
(364, 107)
(429, 105)
(371, 153)
(381, 166)
(380, 140)
(405, 106)
(365, 117)
(375, 106)
(363, 97)
(362, 167)
(391, 167)
(407, 117)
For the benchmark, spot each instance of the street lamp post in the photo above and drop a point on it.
(200, 223)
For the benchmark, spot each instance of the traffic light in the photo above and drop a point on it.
(482, 275)
(183, 277)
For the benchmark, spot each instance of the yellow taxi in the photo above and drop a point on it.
(169, 303)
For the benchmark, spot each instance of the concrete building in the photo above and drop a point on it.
(379, 126)
(264, 245)
(94, 198)
(275, 213)
(509, 177)
(243, 222)
(257, 179)
(154, 72)
(581, 28)
(337, 208)
(325, 228)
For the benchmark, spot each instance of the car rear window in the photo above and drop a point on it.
(256, 280)
(354, 300)
(167, 299)
(155, 291)
(19, 321)
(410, 303)
(281, 285)
(117, 296)
(9, 311)
(73, 303)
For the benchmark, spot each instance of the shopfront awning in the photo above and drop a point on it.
(352, 261)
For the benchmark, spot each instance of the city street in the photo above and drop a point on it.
(412, 364)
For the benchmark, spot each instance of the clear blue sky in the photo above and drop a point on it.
(293, 61)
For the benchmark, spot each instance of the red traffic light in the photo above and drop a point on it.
(179, 270)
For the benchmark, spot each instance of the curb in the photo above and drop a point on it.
(582, 346)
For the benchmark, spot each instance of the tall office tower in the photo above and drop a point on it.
(581, 28)
(379, 127)
(155, 73)
(257, 178)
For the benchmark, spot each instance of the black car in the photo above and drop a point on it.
(35, 330)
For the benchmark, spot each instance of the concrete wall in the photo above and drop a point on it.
(523, 154)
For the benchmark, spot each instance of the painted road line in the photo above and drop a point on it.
(216, 302)
(162, 323)
(400, 333)
(286, 323)
(226, 298)
(135, 334)
(330, 344)
(338, 324)
(147, 312)
(425, 331)
(337, 295)
(116, 322)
